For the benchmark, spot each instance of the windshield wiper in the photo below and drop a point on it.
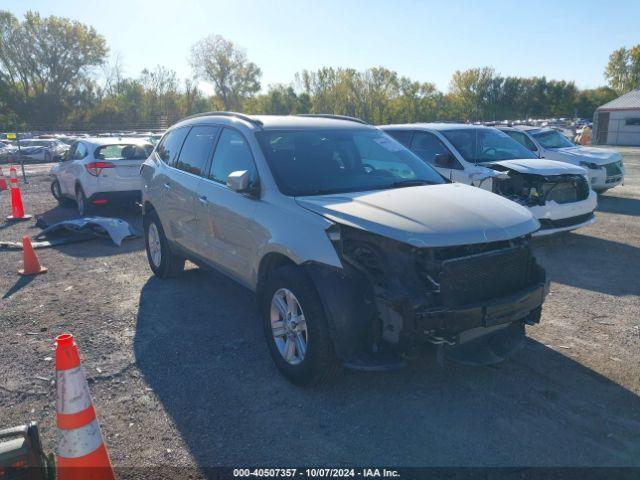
(410, 183)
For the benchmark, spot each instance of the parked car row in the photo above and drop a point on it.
(361, 243)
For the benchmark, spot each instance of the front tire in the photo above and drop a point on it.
(163, 261)
(296, 329)
(56, 191)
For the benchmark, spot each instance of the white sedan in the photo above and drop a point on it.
(42, 150)
(100, 171)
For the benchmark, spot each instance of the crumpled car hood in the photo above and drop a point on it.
(541, 167)
(598, 156)
(428, 216)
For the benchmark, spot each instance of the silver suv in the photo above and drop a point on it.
(358, 250)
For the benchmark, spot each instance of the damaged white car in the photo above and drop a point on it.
(558, 194)
(605, 167)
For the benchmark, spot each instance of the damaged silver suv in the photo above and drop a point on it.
(358, 250)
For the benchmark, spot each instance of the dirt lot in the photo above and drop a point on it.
(180, 373)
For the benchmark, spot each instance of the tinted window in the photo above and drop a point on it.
(403, 136)
(478, 145)
(196, 149)
(169, 148)
(522, 139)
(427, 146)
(232, 154)
(316, 162)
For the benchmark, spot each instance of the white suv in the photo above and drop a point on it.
(100, 171)
(357, 249)
(605, 167)
(557, 193)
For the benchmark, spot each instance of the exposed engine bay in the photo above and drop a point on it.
(531, 189)
(435, 294)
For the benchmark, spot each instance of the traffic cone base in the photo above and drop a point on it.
(17, 219)
(30, 259)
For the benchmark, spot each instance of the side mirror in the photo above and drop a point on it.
(444, 160)
(238, 181)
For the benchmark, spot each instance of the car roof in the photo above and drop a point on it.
(274, 122)
(434, 126)
(100, 141)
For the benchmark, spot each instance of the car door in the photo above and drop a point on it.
(227, 230)
(63, 170)
(427, 146)
(181, 185)
(72, 168)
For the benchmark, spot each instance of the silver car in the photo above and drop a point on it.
(357, 249)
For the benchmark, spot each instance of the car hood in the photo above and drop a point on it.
(541, 167)
(598, 156)
(428, 216)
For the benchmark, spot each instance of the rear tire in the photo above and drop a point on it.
(319, 363)
(84, 207)
(163, 261)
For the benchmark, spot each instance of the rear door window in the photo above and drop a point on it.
(169, 148)
(197, 149)
(80, 152)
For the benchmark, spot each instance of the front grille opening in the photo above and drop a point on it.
(546, 224)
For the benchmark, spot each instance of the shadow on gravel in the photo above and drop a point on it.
(619, 205)
(590, 263)
(22, 282)
(200, 347)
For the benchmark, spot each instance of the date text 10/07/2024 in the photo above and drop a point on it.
(316, 472)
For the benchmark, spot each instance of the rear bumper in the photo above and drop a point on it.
(104, 198)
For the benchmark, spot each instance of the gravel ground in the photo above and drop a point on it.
(180, 373)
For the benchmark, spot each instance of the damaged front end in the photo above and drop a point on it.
(534, 190)
(560, 202)
(391, 296)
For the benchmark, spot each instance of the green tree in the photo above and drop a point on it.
(221, 62)
(45, 64)
(623, 70)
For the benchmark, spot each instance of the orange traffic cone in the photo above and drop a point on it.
(17, 210)
(30, 259)
(3, 181)
(81, 454)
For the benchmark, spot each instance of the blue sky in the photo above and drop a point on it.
(425, 40)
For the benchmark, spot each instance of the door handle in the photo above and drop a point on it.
(168, 186)
(203, 200)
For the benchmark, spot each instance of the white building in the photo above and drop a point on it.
(618, 122)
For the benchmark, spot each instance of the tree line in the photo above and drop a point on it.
(54, 74)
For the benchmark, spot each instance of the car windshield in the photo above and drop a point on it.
(123, 151)
(552, 139)
(479, 145)
(316, 162)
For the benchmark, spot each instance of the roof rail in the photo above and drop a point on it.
(240, 116)
(336, 117)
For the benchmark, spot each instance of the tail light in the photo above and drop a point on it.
(95, 168)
